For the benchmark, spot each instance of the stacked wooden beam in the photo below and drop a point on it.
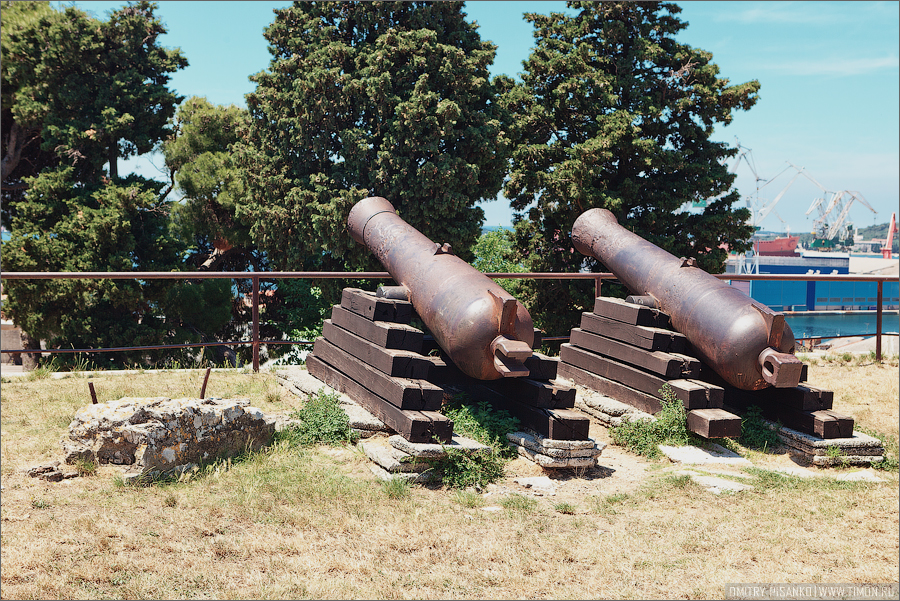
(369, 351)
(540, 403)
(629, 352)
(804, 408)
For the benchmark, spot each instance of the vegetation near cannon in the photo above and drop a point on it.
(613, 113)
(384, 98)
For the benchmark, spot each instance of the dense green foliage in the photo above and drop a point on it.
(86, 92)
(321, 421)
(756, 432)
(613, 112)
(378, 98)
(211, 185)
(643, 436)
(493, 252)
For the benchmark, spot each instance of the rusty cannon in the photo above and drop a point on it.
(484, 330)
(746, 343)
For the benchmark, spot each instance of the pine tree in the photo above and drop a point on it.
(370, 98)
(89, 92)
(613, 112)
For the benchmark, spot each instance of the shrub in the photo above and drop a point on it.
(643, 436)
(481, 422)
(322, 421)
(756, 432)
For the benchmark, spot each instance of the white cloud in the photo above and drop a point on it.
(839, 67)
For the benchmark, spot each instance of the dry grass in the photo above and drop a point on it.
(315, 523)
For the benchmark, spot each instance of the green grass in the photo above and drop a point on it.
(643, 436)
(321, 421)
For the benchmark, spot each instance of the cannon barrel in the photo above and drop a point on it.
(484, 330)
(746, 343)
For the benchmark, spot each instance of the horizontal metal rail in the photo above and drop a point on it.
(257, 276)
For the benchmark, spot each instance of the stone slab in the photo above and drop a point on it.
(825, 461)
(546, 461)
(541, 484)
(383, 474)
(858, 444)
(539, 444)
(692, 455)
(424, 450)
(391, 459)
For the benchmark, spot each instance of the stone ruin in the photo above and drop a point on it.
(159, 437)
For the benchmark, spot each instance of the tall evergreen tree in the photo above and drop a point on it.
(370, 98)
(211, 185)
(613, 112)
(90, 92)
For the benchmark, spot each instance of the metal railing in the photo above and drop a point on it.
(257, 277)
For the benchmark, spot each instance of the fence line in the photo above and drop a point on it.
(257, 276)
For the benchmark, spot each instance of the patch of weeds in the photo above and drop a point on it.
(644, 436)
(396, 488)
(481, 422)
(322, 421)
(273, 396)
(682, 481)
(468, 498)
(86, 467)
(460, 469)
(517, 502)
(890, 462)
(756, 432)
(170, 500)
(40, 504)
(42, 372)
(847, 357)
(836, 456)
(566, 508)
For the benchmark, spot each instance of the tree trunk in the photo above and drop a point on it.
(15, 142)
(29, 360)
(113, 161)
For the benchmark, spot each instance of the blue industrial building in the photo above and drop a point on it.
(808, 295)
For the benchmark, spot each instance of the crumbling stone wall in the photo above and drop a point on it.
(161, 436)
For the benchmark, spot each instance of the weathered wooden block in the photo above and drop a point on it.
(555, 424)
(668, 365)
(624, 394)
(381, 333)
(414, 426)
(406, 393)
(541, 367)
(693, 394)
(393, 362)
(546, 395)
(652, 339)
(374, 308)
(714, 423)
(636, 315)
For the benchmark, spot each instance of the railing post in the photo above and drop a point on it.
(597, 282)
(878, 322)
(255, 323)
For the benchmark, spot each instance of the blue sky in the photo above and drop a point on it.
(829, 98)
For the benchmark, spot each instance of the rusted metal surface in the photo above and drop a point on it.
(745, 342)
(486, 332)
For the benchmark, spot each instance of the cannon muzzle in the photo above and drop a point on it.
(746, 343)
(484, 330)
